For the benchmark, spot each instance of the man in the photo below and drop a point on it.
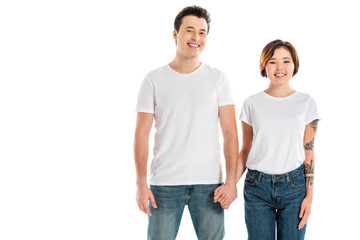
(186, 98)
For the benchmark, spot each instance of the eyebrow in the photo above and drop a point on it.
(283, 58)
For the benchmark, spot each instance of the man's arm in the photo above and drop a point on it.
(141, 151)
(227, 193)
(309, 163)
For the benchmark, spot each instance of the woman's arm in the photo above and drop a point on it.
(247, 131)
(309, 165)
(241, 164)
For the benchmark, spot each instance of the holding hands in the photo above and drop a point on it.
(225, 195)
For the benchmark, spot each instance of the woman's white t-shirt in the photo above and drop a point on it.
(278, 127)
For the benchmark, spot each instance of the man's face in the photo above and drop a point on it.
(191, 38)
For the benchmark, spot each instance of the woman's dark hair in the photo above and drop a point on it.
(192, 11)
(269, 50)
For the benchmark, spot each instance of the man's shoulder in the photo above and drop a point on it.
(212, 69)
(157, 71)
(210, 72)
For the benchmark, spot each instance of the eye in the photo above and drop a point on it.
(287, 62)
(272, 62)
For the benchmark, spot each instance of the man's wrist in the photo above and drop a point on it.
(141, 183)
(231, 181)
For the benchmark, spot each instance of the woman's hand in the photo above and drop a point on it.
(305, 211)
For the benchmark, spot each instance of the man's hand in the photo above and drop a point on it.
(225, 195)
(143, 195)
(304, 212)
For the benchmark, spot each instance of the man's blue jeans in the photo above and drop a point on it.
(207, 216)
(274, 200)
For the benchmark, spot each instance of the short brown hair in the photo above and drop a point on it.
(269, 50)
(192, 11)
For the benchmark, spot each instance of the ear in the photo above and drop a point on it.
(175, 34)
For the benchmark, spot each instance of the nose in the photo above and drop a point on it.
(279, 67)
(195, 36)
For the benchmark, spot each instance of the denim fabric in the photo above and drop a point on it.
(207, 216)
(272, 205)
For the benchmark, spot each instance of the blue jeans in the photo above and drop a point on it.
(207, 216)
(274, 201)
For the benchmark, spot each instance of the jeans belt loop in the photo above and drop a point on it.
(287, 178)
(259, 177)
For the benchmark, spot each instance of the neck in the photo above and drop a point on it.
(283, 90)
(185, 65)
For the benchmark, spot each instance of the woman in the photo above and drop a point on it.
(279, 126)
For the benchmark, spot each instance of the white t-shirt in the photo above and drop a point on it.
(187, 149)
(278, 127)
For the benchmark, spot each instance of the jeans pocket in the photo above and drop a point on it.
(298, 181)
(250, 180)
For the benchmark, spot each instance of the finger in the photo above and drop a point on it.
(302, 211)
(140, 207)
(216, 191)
(147, 210)
(225, 206)
(224, 201)
(223, 198)
(216, 197)
(152, 201)
(306, 217)
(304, 220)
(301, 224)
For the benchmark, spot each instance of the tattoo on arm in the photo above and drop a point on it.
(309, 145)
(314, 124)
(309, 168)
(309, 180)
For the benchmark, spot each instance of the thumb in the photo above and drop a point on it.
(302, 211)
(218, 194)
(152, 200)
(217, 190)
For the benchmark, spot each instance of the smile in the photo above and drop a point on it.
(280, 74)
(194, 45)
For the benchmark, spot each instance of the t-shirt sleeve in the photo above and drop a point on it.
(245, 115)
(224, 92)
(146, 98)
(312, 112)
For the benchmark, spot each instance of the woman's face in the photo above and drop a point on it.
(280, 67)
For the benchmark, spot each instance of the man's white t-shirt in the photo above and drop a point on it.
(278, 127)
(185, 106)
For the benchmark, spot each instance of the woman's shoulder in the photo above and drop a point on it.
(304, 96)
(254, 96)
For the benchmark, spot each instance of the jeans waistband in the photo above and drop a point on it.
(278, 177)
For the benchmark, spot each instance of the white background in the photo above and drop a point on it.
(70, 72)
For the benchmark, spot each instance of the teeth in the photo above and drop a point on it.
(193, 45)
(280, 75)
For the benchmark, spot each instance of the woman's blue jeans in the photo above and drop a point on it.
(207, 216)
(272, 205)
